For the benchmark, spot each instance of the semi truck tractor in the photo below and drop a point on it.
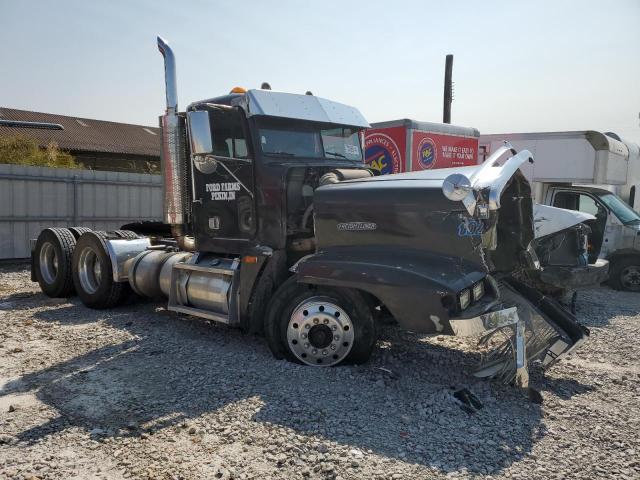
(275, 225)
(591, 172)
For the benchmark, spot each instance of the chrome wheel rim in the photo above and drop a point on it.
(89, 270)
(48, 262)
(320, 333)
(631, 277)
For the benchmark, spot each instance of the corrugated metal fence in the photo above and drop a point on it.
(33, 198)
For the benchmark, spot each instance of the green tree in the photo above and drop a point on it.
(20, 150)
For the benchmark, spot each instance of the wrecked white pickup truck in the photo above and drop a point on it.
(566, 253)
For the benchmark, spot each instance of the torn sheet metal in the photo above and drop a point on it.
(533, 328)
(495, 321)
(548, 220)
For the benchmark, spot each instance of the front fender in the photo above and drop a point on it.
(418, 288)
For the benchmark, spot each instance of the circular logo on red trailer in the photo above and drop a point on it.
(427, 153)
(382, 153)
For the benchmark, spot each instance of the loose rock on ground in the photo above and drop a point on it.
(139, 392)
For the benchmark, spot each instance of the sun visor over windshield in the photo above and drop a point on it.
(300, 107)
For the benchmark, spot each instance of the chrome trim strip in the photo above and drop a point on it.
(483, 323)
(493, 177)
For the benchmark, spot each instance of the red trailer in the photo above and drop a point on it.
(407, 145)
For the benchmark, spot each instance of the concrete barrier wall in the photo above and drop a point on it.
(33, 198)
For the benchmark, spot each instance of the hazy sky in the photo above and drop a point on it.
(518, 66)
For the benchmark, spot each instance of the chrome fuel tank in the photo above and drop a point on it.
(196, 284)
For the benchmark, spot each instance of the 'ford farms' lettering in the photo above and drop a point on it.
(223, 191)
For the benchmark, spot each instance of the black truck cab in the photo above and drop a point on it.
(253, 185)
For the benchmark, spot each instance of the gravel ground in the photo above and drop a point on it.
(138, 392)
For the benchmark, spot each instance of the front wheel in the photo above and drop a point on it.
(625, 274)
(319, 326)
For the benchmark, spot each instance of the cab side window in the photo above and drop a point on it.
(228, 135)
(577, 201)
(568, 200)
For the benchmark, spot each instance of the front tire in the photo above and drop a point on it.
(625, 274)
(319, 326)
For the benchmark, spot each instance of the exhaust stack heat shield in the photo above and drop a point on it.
(174, 155)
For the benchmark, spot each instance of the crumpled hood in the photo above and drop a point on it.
(491, 225)
(548, 220)
(396, 212)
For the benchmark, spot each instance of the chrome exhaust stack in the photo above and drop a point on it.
(174, 161)
(169, 76)
(174, 155)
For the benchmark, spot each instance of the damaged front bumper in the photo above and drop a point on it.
(524, 326)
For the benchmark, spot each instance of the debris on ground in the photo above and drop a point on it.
(138, 392)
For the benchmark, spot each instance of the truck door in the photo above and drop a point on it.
(223, 208)
(583, 202)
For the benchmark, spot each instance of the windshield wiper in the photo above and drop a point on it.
(283, 154)
(336, 154)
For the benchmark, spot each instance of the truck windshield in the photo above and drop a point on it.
(342, 143)
(339, 142)
(624, 212)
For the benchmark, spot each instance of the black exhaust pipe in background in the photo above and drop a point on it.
(448, 89)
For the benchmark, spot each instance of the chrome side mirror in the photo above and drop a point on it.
(456, 187)
(200, 137)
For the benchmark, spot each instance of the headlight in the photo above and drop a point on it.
(478, 291)
(465, 298)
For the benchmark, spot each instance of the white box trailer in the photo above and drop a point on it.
(585, 158)
(592, 172)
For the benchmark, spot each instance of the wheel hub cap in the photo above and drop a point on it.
(89, 270)
(631, 277)
(320, 333)
(48, 262)
(320, 336)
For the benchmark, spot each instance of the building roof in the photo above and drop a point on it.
(85, 134)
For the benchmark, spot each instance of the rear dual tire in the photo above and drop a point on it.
(77, 231)
(93, 273)
(52, 262)
(319, 326)
(54, 265)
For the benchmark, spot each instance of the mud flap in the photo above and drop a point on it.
(545, 331)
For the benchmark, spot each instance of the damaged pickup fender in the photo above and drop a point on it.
(561, 244)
